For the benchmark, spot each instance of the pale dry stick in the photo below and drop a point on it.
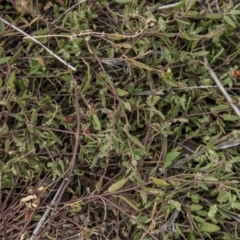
(75, 5)
(39, 43)
(169, 223)
(169, 6)
(231, 143)
(147, 93)
(44, 216)
(90, 33)
(220, 86)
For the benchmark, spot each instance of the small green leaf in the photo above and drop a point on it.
(170, 82)
(16, 55)
(159, 182)
(229, 21)
(96, 122)
(220, 108)
(195, 207)
(99, 184)
(210, 179)
(154, 191)
(229, 117)
(172, 155)
(203, 186)
(118, 185)
(33, 116)
(208, 227)
(11, 80)
(135, 140)
(4, 60)
(234, 12)
(212, 211)
(127, 106)
(199, 219)
(33, 164)
(130, 202)
(229, 236)
(214, 15)
(94, 161)
(236, 205)
(143, 196)
(201, 53)
(121, 92)
(190, 37)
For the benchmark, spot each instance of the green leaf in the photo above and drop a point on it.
(214, 15)
(99, 184)
(11, 80)
(210, 179)
(229, 21)
(96, 122)
(220, 108)
(130, 202)
(118, 185)
(33, 164)
(212, 211)
(172, 155)
(236, 205)
(208, 227)
(201, 53)
(170, 82)
(190, 37)
(159, 182)
(127, 106)
(134, 139)
(154, 191)
(195, 207)
(234, 12)
(229, 236)
(4, 60)
(121, 92)
(203, 186)
(199, 219)
(229, 117)
(16, 55)
(94, 161)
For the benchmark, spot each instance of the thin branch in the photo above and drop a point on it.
(220, 86)
(43, 218)
(169, 6)
(39, 43)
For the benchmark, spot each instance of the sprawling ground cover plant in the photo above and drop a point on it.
(119, 119)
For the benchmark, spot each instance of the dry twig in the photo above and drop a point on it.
(39, 43)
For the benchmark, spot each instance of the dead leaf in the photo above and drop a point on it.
(47, 6)
(22, 6)
(60, 2)
(28, 198)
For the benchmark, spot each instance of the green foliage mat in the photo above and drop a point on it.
(117, 101)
